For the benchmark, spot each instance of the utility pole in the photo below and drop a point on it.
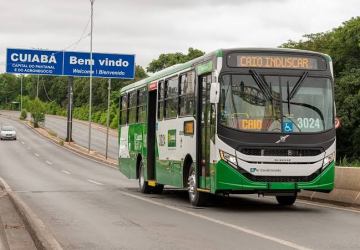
(91, 67)
(69, 110)
(108, 120)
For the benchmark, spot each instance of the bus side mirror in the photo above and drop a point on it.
(214, 92)
(337, 123)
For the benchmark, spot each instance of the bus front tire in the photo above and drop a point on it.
(287, 200)
(143, 185)
(197, 199)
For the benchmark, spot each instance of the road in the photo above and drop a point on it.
(80, 133)
(87, 205)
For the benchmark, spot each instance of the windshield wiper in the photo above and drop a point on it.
(297, 85)
(263, 86)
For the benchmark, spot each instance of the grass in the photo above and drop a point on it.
(344, 162)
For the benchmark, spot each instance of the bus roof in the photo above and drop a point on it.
(217, 53)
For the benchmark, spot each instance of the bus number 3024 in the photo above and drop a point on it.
(308, 123)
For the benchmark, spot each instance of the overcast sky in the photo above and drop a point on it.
(148, 28)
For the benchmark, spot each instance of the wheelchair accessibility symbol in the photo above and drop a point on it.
(287, 127)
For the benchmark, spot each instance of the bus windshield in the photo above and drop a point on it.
(282, 104)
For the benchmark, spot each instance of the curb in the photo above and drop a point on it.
(41, 236)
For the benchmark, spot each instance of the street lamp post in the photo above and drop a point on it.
(108, 120)
(91, 67)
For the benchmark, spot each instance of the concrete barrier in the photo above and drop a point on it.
(346, 191)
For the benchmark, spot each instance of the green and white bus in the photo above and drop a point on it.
(238, 121)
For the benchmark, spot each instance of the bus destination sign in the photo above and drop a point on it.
(275, 61)
(286, 62)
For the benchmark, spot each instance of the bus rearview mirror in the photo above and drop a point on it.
(214, 92)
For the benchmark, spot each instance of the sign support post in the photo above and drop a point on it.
(91, 68)
(108, 120)
(69, 110)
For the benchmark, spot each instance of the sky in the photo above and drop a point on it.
(149, 28)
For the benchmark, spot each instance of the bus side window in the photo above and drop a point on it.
(171, 97)
(187, 96)
(132, 107)
(141, 108)
(123, 109)
(160, 100)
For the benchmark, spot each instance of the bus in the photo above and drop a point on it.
(234, 121)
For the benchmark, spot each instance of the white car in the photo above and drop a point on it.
(7, 133)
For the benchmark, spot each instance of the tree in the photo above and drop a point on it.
(167, 60)
(343, 45)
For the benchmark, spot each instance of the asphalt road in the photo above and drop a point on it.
(87, 205)
(80, 133)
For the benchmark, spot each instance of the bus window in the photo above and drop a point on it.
(160, 100)
(132, 107)
(141, 108)
(123, 109)
(187, 97)
(171, 97)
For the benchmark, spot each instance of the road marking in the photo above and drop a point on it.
(223, 223)
(22, 142)
(65, 172)
(36, 154)
(49, 162)
(354, 210)
(95, 182)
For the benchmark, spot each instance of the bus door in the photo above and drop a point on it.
(203, 136)
(151, 133)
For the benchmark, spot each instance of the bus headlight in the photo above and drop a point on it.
(328, 159)
(231, 159)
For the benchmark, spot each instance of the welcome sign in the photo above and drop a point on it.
(70, 63)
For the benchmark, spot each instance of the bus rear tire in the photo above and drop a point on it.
(143, 185)
(287, 200)
(197, 199)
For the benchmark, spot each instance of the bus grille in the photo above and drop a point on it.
(281, 178)
(280, 152)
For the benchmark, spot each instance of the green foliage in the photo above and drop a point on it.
(23, 114)
(37, 110)
(343, 45)
(167, 60)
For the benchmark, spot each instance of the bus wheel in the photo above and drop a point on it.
(286, 200)
(196, 198)
(143, 185)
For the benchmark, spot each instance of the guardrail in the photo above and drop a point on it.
(347, 188)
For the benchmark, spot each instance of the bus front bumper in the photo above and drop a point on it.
(227, 179)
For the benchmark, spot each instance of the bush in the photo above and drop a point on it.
(23, 114)
(37, 110)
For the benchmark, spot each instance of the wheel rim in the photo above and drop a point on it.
(141, 177)
(192, 185)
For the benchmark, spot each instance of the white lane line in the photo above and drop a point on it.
(223, 223)
(22, 142)
(354, 210)
(95, 182)
(49, 162)
(65, 172)
(36, 154)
